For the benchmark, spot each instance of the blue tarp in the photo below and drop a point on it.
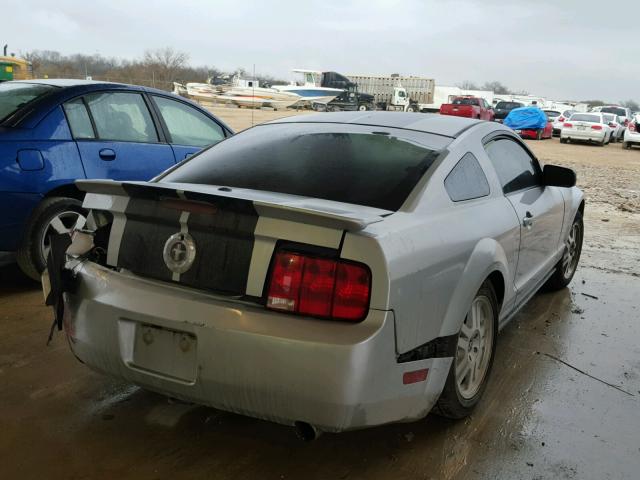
(526, 118)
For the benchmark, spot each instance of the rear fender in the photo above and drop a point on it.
(488, 256)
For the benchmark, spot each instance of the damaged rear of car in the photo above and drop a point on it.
(244, 279)
(333, 272)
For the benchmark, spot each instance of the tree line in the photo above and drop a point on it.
(157, 68)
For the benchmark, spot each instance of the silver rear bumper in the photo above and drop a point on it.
(239, 357)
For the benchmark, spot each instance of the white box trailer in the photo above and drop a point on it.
(393, 92)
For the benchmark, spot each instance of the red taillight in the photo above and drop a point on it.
(319, 287)
(596, 127)
(632, 127)
(626, 122)
(561, 119)
(568, 125)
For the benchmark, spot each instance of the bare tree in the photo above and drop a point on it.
(631, 104)
(468, 85)
(165, 63)
(496, 87)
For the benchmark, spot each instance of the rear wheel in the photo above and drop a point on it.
(626, 145)
(563, 140)
(539, 135)
(472, 363)
(362, 108)
(566, 268)
(53, 215)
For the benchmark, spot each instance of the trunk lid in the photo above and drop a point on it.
(159, 228)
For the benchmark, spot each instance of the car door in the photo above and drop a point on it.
(120, 141)
(540, 210)
(188, 129)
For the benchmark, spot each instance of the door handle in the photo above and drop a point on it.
(527, 221)
(107, 154)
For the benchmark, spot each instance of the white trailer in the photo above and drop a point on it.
(393, 92)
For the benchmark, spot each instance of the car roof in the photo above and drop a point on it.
(445, 125)
(65, 82)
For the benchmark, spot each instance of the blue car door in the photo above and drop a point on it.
(116, 136)
(189, 129)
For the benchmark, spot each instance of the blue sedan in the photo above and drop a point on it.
(53, 132)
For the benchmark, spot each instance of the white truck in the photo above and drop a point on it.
(393, 92)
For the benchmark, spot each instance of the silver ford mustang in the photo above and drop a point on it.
(333, 272)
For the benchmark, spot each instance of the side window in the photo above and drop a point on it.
(78, 119)
(516, 169)
(186, 125)
(466, 180)
(122, 116)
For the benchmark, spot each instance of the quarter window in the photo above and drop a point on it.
(516, 169)
(122, 116)
(78, 119)
(188, 126)
(466, 180)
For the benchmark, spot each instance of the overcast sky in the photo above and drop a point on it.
(561, 49)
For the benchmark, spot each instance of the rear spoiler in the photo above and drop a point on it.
(285, 207)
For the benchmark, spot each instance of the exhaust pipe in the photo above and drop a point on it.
(306, 432)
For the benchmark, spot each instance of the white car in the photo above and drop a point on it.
(586, 127)
(631, 134)
(559, 121)
(623, 112)
(616, 125)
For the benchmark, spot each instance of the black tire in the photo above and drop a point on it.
(410, 108)
(30, 255)
(362, 108)
(539, 135)
(561, 276)
(563, 140)
(626, 145)
(452, 404)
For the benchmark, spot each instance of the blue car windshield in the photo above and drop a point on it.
(14, 96)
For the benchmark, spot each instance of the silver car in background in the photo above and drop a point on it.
(332, 272)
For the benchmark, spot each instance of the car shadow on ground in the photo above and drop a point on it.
(12, 280)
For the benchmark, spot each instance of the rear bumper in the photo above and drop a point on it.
(631, 137)
(245, 359)
(528, 133)
(586, 135)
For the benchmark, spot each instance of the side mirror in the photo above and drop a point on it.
(554, 176)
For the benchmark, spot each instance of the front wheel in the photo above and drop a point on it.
(469, 372)
(53, 215)
(566, 268)
(362, 108)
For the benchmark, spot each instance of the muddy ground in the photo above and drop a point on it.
(562, 403)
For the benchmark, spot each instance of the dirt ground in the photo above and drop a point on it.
(562, 403)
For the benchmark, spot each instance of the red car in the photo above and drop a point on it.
(538, 134)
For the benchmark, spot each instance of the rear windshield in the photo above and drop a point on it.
(615, 110)
(16, 95)
(465, 101)
(609, 117)
(508, 105)
(364, 165)
(552, 113)
(583, 117)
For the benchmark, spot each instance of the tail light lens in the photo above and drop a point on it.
(626, 122)
(567, 124)
(632, 127)
(596, 127)
(319, 287)
(561, 119)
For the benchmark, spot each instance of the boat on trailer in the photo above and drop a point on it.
(311, 89)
